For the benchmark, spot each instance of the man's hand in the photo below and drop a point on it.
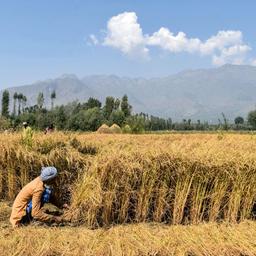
(57, 219)
(65, 206)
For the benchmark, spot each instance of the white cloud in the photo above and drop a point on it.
(224, 47)
(125, 34)
(221, 40)
(235, 55)
(168, 41)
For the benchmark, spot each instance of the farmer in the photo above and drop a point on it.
(49, 129)
(28, 203)
(27, 134)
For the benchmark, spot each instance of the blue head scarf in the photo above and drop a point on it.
(48, 173)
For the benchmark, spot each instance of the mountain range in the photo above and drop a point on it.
(196, 94)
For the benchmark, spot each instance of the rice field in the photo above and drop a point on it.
(165, 194)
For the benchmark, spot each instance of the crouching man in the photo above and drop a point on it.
(28, 203)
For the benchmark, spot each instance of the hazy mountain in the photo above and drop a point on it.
(196, 94)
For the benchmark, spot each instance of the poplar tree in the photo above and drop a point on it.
(53, 97)
(109, 106)
(5, 103)
(40, 100)
(125, 106)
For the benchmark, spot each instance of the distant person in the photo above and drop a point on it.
(49, 129)
(28, 204)
(27, 134)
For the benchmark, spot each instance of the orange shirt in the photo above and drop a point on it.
(34, 191)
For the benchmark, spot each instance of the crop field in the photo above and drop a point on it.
(165, 194)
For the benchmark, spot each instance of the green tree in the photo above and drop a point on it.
(53, 97)
(198, 125)
(169, 123)
(60, 118)
(15, 97)
(44, 118)
(136, 123)
(94, 118)
(86, 120)
(125, 106)
(117, 117)
(109, 107)
(40, 100)
(19, 98)
(252, 118)
(23, 102)
(239, 120)
(92, 103)
(29, 117)
(5, 103)
(117, 104)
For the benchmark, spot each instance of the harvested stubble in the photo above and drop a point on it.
(132, 240)
(176, 179)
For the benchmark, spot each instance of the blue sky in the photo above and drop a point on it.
(45, 39)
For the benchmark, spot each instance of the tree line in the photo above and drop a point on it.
(90, 115)
(75, 116)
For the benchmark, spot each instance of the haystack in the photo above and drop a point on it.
(116, 128)
(127, 129)
(104, 129)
